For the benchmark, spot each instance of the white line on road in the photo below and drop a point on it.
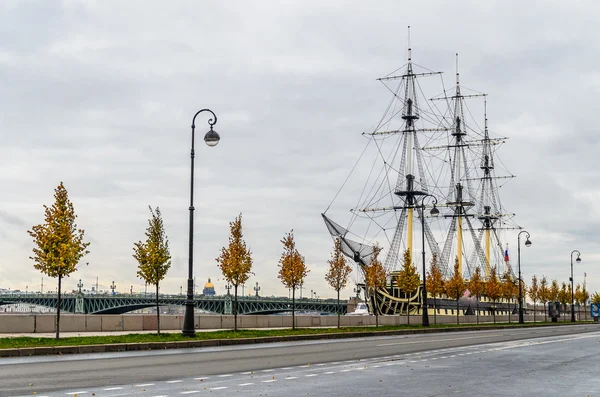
(286, 368)
(225, 375)
(291, 377)
(345, 370)
(245, 384)
(310, 375)
(218, 388)
(190, 392)
(144, 384)
(320, 365)
(205, 378)
(329, 373)
(268, 370)
(77, 392)
(113, 388)
(174, 381)
(436, 340)
(162, 395)
(269, 381)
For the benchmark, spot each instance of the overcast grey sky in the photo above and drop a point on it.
(100, 95)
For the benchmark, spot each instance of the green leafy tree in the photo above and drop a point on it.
(456, 286)
(375, 279)
(339, 271)
(408, 280)
(534, 293)
(492, 289)
(292, 269)
(544, 295)
(477, 288)
(59, 245)
(235, 262)
(435, 283)
(153, 256)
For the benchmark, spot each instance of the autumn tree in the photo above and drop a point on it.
(477, 288)
(492, 289)
(408, 280)
(58, 243)
(563, 296)
(435, 283)
(554, 290)
(292, 269)
(153, 256)
(534, 293)
(235, 262)
(456, 286)
(507, 289)
(585, 296)
(596, 298)
(544, 295)
(375, 279)
(339, 271)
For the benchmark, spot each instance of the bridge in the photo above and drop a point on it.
(119, 304)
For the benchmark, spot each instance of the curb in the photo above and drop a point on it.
(119, 347)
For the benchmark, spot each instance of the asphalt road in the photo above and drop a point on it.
(549, 361)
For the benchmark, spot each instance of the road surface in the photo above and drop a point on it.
(549, 361)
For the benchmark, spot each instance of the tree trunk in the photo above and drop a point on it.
(545, 313)
(58, 309)
(293, 308)
(457, 320)
(407, 309)
(494, 302)
(235, 307)
(157, 312)
(434, 310)
(508, 304)
(477, 308)
(376, 319)
(534, 312)
(338, 306)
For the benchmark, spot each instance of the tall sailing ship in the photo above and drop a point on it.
(425, 145)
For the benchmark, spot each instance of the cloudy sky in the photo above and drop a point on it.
(100, 95)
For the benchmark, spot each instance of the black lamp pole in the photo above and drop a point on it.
(211, 138)
(520, 280)
(424, 306)
(571, 279)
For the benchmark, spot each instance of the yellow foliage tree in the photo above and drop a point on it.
(554, 290)
(544, 295)
(456, 286)
(408, 279)
(564, 296)
(507, 290)
(534, 293)
(492, 289)
(375, 278)
(435, 283)
(339, 271)
(235, 262)
(292, 269)
(596, 298)
(58, 243)
(153, 256)
(477, 288)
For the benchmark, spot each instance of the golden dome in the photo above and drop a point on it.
(209, 284)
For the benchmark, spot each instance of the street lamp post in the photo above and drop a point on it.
(578, 260)
(527, 244)
(434, 211)
(212, 139)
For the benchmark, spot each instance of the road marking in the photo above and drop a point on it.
(204, 378)
(77, 392)
(162, 395)
(245, 384)
(308, 376)
(174, 381)
(144, 384)
(268, 370)
(376, 366)
(345, 370)
(435, 340)
(291, 377)
(286, 368)
(190, 392)
(320, 365)
(269, 381)
(218, 388)
(336, 362)
(113, 388)
(329, 373)
(225, 375)
(246, 373)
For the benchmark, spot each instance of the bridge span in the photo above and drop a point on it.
(119, 304)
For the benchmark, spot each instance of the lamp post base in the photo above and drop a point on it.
(188, 321)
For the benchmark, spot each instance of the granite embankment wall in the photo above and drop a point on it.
(43, 323)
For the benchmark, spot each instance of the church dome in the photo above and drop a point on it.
(209, 284)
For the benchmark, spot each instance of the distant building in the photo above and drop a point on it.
(209, 289)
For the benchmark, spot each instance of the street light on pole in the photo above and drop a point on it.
(527, 244)
(434, 211)
(212, 139)
(578, 260)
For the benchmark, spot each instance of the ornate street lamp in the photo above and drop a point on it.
(578, 260)
(212, 139)
(520, 280)
(434, 211)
